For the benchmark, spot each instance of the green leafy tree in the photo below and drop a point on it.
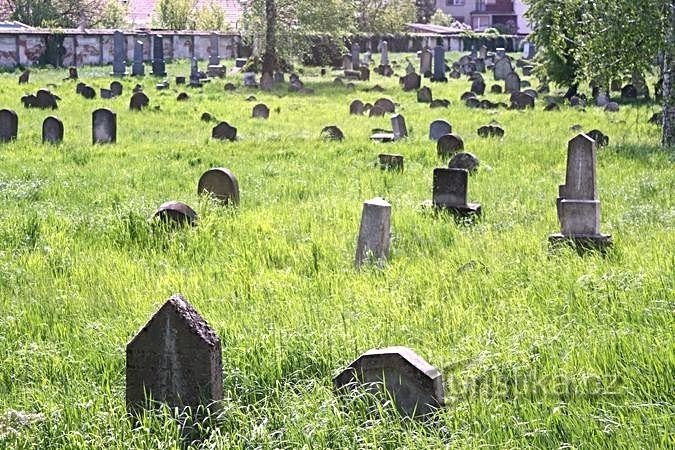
(424, 10)
(114, 14)
(441, 18)
(56, 13)
(383, 16)
(175, 14)
(211, 17)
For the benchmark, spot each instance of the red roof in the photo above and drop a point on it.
(141, 11)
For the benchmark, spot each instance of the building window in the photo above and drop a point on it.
(479, 23)
(454, 2)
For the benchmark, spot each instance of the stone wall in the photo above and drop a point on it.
(95, 47)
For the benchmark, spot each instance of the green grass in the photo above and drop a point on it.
(538, 349)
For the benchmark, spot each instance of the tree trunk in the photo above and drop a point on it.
(572, 91)
(668, 73)
(269, 61)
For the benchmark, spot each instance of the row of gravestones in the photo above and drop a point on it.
(176, 358)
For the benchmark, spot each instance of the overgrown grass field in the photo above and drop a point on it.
(537, 348)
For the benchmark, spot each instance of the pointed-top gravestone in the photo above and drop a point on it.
(9, 125)
(415, 386)
(137, 68)
(224, 131)
(578, 204)
(438, 128)
(119, 52)
(374, 233)
(175, 359)
(52, 130)
(158, 64)
(104, 126)
(176, 213)
(221, 184)
(450, 191)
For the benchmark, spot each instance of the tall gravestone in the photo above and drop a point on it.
(439, 62)
(450, 192)
(414, 385)
(221, 184)
(425, 63)
(578, 204)
(374, 232)
(215, 69)
(158, 64)
(52, 130)
(502, 68)
(512, 83)
(175, 359)
(119, 52)
(356, 56)
(9, 125)
(104, 126)
(399, 127)
(138, 68)
(384, 53)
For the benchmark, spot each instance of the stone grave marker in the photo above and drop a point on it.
(439, 62)
(356, 108)
(496, 89)
(602, 99)
(52, 130)
(106, 93)
(464, 160)
(450, 192)
(332, 133)
(221, 184)
(383, 48)
(483, 52)
(224, 131)
(9, 125)
(137, 67)
(29, 101)
(439, 103)
(511, 83)
(261, 111)
(415, 386)
(215, 69)
(356, 57)
(138, 101)
(182, 97)
(104, 126)
(158, 64)
(347, 62)
(119, 51)
(398, 125)
(72, 73)
(250, 80)
(25, 75)
(612, 107)
(490, 131)
(389, 161)
(502, 68)
(374, 233)
(600, 138)
(438, 128)
(175, 213)
(424, 95)
(449, 144)
(426, 58)
(552, 107)
(478, 87)
(472, 102)
(175, 359)
(88, 92)
(386, 105)
(411, 82)
(376, 111)
(45, 100)
(467, 95)
(229, 87)
(520, 100)
(116, 88)
(629, 92)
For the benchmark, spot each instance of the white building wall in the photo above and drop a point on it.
(520, 8)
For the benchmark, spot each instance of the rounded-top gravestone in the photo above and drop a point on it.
(376, 111)
(600, 138)
(449, 144)
(424, 95)
(52, 130)
(438, 128)
(385, 105)
(116, 88)
(332, 133)
(464, 160)
(138, 101)
(221, 184)
(224, 131)
(45, 99)
(9, 125)
(356, 108)
(104, 126)
(176, 213)
(261, 111)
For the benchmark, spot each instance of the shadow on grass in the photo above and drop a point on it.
(642, 151)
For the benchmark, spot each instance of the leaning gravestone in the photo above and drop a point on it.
(578, 204)
(415, 386)
(9, 125)
(449, 144)
(464, 160)
(138, 101)
(137, 68)
(261, 111)
(174, 359)
(158, 65)
(511, 83)
(438, 128)
(356, 108)
(119, 51)
(221, 184)
(374, 233)
(175, 213)
(450, 191)
(52, 130)
(104, 126)
(424, 95)
(224, 131)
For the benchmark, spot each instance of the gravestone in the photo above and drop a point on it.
(224, 131)
(214, 68)
(29, 101)
(45, 100)
(629, 92)
(439, 62)
(162, 86)
(221, 184)
(182, 97)
(119, 52)
(552, 107)
(390, 162)
(502, 69)
(578, 204)
(88, 92)
(9, 125)
(347, 62)
(425, 63)
(520, 100)
(600, 138)
(438, 128)
(527, 70)
(116, 88)
(374, 232)
(158, 65)
(480, 65)
(602, 99)
(478, 87)
(106, 93)
(229, 87)
(496, 89)
(364, 73)
(175, 359)
(512, 83)
(52, 130)
(25, 75)
(376, 111)
(332, 133)
(356, 108)
(279, 77)
(450, 192)
(424, 95)
(138, 101)
(501, 52)
(250, 80)
(72, 73)
(104, 126)
(137, 67)
(411, 82)
(449, 144)
(490, 131)
(612, 107)
(175, 213)
(260, 111)
(464, 160)
(398, 125)
(409, 68)
(472, 102)
(356, 57)
(385, 104)
(483, 52)
(415, 386)
(383, 48)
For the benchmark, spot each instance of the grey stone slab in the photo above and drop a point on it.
(438, 128)
(9, 125)
(221, 184)
(104, 126)
(374, 232)
(52, 130)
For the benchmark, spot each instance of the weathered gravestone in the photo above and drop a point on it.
(72, 73)
(411, 82)
(389, 161)
(175, 359)
(439, 62)
(158, 65)
(356, 108)
(106, 93)
(52, 130)
(415, 386)
(28, 101)
(383, 48)
(224, 131)
(438, 128)
(221, 184)
(450, 191)
(496, 89)
(449, 144)
(520, 100)
(502, 68)
(116, 88)
(424, 95)
(629, 92)
(374, 233)
(347, 62)
(104, 126)
(385, 104)
(356, 57)
(332, 133)
(250, 80)
(612, 107)
(215, 69)
(491, 131)
(137, 67)
(230, 87)
(25, 75)
(376, 111)
(45, 100)
(511, 83)
(600, 138)
(138, 101)
(439, 103)
(182, 97)
(119, 52)
(9, 125)
(464, 160)
(174, 213)
(478, 87)
(261, 111)
(425, 62)
(398, 125)
(88, 92)
(578, 204)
